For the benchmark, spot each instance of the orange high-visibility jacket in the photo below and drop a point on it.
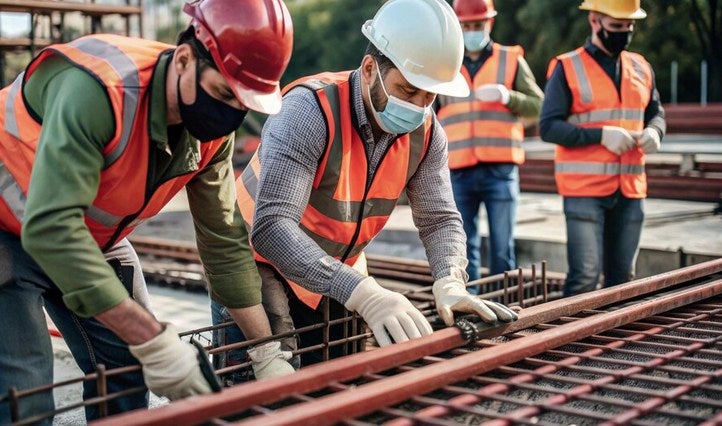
(124, 67)
(484, 132)
(593, 170)
(344, 211)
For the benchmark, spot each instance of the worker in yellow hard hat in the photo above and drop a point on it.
(603, 111)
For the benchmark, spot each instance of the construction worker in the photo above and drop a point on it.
(332, 165)
(485, 131)
(112, 128)
(603, 111)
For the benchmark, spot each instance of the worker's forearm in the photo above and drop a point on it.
(252, 321)
(131, 322)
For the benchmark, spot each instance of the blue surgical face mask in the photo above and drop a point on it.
(474, 41)
(398, 116)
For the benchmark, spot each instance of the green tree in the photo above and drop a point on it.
(327, 35)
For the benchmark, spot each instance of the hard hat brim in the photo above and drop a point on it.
(458, 87)
(479, 17)
(637, 14)
(266, 103)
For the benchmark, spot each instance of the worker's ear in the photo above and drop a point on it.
(183, 58)
(368, 69)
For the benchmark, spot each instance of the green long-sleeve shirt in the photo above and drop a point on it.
(77, 122)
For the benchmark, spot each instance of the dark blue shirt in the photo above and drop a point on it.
(553, 126)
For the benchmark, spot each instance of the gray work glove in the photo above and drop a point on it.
(268, 361)
(171, 367)
(649, 141)
(617, 139)
(389, 314)
(451, 296)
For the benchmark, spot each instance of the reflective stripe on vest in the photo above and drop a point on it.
(481, 132)
(11, 121)
(593, 170)
(344, 211)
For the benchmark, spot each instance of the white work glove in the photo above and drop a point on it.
(171, 367)
(389, 314)
(268, 361)
(617, 139)
(493, 93)
(649, 141)
(451, 296)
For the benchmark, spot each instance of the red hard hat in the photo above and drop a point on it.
(474, 10)
(250, 42)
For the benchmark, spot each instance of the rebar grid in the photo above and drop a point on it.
(628, 350)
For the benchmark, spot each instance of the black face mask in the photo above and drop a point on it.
(208, 118)
(614, 42)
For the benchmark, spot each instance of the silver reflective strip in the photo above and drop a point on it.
(102, 217)
(584, 84)
(11, 120)
(126, 68)
(606, 115)
(638, 67)
(598, 168)
(12, 194)
(481, 142)
(480, 115)
(501, 72)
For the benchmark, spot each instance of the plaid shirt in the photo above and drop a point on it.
(292, 144)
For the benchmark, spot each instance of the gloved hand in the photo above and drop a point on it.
(268, 360)
(451, 296)
(493, 93)
(170, 366)
(617, 139)
(387, 312)
(650, 140)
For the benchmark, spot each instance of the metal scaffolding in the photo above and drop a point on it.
(49, 19)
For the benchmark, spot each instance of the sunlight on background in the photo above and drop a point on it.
(14, 24)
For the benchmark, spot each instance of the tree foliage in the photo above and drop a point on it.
(328, 36)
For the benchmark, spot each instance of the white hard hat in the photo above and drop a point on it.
(423, 39)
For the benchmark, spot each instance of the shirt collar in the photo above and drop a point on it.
(357, 103)
(157, 115)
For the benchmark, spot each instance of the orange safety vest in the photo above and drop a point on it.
(593, 170)
(484, 132)
(124, 67)
(344, 211)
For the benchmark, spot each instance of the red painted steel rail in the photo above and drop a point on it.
(645, 352)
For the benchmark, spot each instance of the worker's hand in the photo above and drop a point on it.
(389, 314)
(268, 360)
(171, 367)
(451, 296)
(649, 141)
(617, 139)
(493, 93)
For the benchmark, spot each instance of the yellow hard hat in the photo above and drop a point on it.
(620, 9)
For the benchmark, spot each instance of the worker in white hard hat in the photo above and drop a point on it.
(332, 165)
(603, 111)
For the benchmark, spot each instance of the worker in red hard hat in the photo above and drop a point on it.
(486, 131)
(96, 136)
